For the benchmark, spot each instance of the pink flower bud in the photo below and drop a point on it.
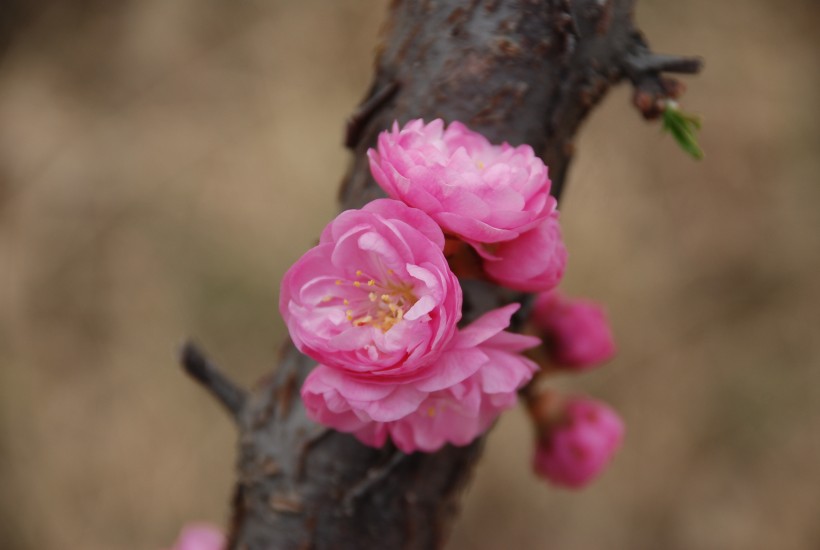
(200, 536)
(481, 192)
(576, 333)
(532, 262)
(575, 449)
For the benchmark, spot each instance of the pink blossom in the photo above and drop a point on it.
(576, 449)
(376, 298)
(200, 536)
(467, 387)
(482, 193)
(533, 262)
(576, 332)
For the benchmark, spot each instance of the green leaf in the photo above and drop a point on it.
(683, 127)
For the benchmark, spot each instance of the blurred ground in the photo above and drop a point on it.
(163, 162)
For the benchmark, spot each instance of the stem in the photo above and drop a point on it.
(197, 366)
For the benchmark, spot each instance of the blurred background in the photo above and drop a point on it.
(162, 162)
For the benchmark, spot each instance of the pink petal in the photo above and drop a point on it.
(452, 367)
(486, 326)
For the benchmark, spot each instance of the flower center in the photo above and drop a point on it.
(378, 302)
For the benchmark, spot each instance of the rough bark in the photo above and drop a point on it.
(517, 71)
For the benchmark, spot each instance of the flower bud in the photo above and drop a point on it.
(575, 445)
(576, 333)
(200, 536)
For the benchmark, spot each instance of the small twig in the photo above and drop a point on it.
(203, 371)
(646, 61)
(374, 477)
(645, 70)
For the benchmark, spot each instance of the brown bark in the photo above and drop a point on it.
(518, 71)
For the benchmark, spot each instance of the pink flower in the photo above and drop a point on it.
(576, 332)
(467, 387)
(200, 536)
(533, 262)
(576, 449)
(375, 299)
(481, 192)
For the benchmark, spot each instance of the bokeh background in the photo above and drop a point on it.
(162, 162)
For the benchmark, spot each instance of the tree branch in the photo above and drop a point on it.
(521, 71)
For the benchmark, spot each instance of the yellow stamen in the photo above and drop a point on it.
(358, 272)
(327, 298)
(338, 281)
(362, 320)
(371, 282)
(345, 301)
(357, 284)
(372, 296)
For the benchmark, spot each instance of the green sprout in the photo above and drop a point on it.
(683, 127)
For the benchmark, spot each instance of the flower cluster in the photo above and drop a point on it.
(378, 306)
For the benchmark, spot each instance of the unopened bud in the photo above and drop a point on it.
(576, 333)
(577, 443)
